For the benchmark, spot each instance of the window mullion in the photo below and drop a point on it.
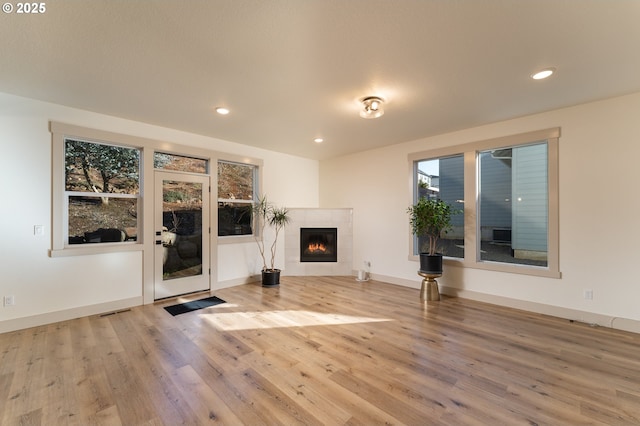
(471, 202)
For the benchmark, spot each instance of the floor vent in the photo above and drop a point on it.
(108, 314)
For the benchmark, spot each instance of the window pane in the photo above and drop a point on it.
(236, 194)
(513, 210)
(235, 181)
(181, 229)
(181, 195)
(93, 167)
(180, 163)
(443, 178)
(234, 219)
(102, 220)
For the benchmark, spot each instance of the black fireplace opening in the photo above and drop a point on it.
(318, 244)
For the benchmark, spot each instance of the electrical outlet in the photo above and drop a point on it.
(38, 230)
(9, 300)
(588, 294)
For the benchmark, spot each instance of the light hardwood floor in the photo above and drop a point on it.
(320, 350)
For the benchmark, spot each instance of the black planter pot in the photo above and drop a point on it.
(431, 263)
(270, 277)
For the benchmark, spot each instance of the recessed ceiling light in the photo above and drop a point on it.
(222, 110)
(543, 74)
(318, 140)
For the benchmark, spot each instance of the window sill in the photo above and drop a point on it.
(236, 239)
(511, 268)
(91, 249)
(538, 271)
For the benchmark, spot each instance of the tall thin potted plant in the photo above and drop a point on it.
(430, 218)
(277, 217)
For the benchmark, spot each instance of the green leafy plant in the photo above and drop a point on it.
(268, 214)
(431, 218)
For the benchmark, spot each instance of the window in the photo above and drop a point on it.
(512, 211)
(180, 163)
(443, 178)
(509, 189)
(237, 191)
(100, 178)
(101, 192)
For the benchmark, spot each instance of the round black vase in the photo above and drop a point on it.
(431, 263)
(270, 277)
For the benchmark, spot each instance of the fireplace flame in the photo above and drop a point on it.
(316, 248)
(318, 245)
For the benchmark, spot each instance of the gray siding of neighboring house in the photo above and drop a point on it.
(495, 194)
(530, 210)
(452, 190)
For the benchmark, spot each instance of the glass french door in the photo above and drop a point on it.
(181, 234)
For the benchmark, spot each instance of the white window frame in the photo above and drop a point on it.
(257, 180)
(61, 131)
(60, 246)
(471, 233)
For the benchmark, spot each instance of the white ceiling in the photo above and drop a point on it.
(293, 70)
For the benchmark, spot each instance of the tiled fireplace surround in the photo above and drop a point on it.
(319, 218)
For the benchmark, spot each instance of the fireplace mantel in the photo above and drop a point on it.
(342, 219)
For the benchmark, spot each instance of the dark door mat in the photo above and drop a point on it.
(194, 305)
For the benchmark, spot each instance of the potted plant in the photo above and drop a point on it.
(265, 213)
(430, 218)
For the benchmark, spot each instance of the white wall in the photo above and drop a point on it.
(44, 286)
(599, 206)
(599, 210)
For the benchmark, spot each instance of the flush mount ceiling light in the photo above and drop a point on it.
(543, 74)
(222, 110)
(372, 107)
(318, 140)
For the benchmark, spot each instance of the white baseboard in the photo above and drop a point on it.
(97, 309)
(395, 280)
(68, 314)
(238, 281)
(591, 318)
(617, 323)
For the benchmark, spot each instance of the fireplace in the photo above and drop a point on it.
(341, 219)
(318, 244)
